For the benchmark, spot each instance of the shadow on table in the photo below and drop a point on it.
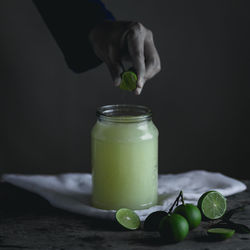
(101, 224)
(152, 240)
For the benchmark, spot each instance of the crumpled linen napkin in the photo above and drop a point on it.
(72, 191)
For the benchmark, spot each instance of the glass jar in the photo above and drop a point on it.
(124, 158)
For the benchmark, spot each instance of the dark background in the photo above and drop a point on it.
(200, 100)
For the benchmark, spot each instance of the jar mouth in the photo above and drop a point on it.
(123, 113)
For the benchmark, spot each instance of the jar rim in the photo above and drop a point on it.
(124, 113)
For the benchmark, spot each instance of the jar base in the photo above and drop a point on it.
(118, 206)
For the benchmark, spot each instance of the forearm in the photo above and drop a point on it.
(70, 23)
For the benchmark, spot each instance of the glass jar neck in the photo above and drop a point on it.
(124, 113)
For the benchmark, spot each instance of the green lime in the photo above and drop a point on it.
(173, 228)
(129, 80)
(220, 233)
(212, 204)
(191, 213)
(153, 220)
(128, 218)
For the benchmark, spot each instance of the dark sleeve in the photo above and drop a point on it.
(70, 22)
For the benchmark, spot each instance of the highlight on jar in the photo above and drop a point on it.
(124, 156)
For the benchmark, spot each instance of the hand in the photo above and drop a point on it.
(116, 42)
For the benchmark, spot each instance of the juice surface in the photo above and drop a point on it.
(124, 165)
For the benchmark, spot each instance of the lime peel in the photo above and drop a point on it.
(191, 213)
(221, 233)
(153, 220)
(173, 228)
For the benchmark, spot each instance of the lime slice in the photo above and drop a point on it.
(221, 233)
(129, 80)
(128, 218)
(212, 204)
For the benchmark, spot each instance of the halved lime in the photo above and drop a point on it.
(128, 218)
(212, 204)
(220, 233)
(129, 80)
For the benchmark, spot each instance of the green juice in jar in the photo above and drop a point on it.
(124, 158)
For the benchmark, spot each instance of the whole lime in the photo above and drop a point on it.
(191, 213)
(152, 222)
(174, 228)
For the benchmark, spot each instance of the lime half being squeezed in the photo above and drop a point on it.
(129, 81)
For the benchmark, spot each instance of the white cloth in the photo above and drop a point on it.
(72, 192)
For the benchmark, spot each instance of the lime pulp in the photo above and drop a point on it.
(128, 218)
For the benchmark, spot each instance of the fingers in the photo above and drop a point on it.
(135, 41)
(117, 42)
(152, 59)
(143, 54)
(116, 70)
(114, 65)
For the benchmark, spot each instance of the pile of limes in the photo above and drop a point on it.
(174, 225)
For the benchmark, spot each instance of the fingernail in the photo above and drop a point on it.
(138, 91)
(140, 83)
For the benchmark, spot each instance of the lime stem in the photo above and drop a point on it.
(180, 195)
(182, 199)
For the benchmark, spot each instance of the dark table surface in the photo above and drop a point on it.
(29, 222)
